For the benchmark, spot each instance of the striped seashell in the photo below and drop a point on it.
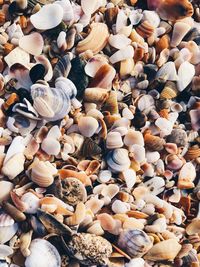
(154, 143)
(170, 90)
(145, 29)
(193, 152)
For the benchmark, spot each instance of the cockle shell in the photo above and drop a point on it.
(154, 143)
(48, 17)
(186, 176)
(134, 242)
(118, 160)
(42, 173)
(96, 40)
(33, 43)
(186, 73)
(164, 250)
(88, 126)
(179, 31)
(43, 253)
(52, 104)
(145, 29)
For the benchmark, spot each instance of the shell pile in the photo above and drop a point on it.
(99, 133)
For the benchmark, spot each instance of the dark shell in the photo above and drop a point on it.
(193, 35)
(90, 148)
(62, 68)
(177, 136)
(37, 73)
(37, 226)
(150, 70)
(55, 188)
(139, 120)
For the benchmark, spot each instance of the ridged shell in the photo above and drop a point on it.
(145, 29)
(170, 90)
(51, 103)
(135, 243)
(118, 160)
(154, 143)
(193, 152)
(114, 140)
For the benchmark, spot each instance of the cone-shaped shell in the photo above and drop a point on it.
(164, 250)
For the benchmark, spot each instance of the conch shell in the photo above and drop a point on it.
(96, 40)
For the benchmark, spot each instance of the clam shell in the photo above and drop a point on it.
(118, 160)
(186, 73)
(94, 64)
(156, 185)
(5, 251)
(48, 67)
(133, 137)
(88, 126)
(179, 31)
(6, 220)
(122, 54)
(129, 176)
(48, 17)
(154, 143)
(68, 12)
(96, 95)
(152, 17)
(119, 41)
(89, 7)
(114, 140)
(134, 242)
(14, 165)
(17, 56)
(7, 232)
(32, 43)
(7, 188)
(62, 67)
(51, 146)
(164, 250)
(168, 71)
(42, 253)
(78, 216)
(31, 201)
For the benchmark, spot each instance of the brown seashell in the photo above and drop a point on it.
(111, 15)
(137, 214)
(2, 18)
(16, 214)
(187, 174)
(164, 250)
(93, 166)
(175, 9)
(154, 143)
(111, 119)
(163, 43)
(111, 103)
(170, 90)
(193, 227)
(145, 29)
(96, 95)
(90, 148)
(192, 153)
(138, 54)
(135, 37)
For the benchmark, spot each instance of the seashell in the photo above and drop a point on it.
(126, 67)
(138, 153)
(6, 220)
(31, 201)
(156, 185)
(32, 43)
(145, 29)
(17, 56)
(134, 242)
(138, 262)
(15, 213)
(129, 176)
(95, 228)
(68, 12)
(118, 160)
(119, 41)
(145, 103)
(179, 31)
(122, 54)
(154, 143)
(106, 221)
(94, 204)
(193, 152)
(110, 191)
(45, 251)
(52, 104)
(178, 137)
(62, 67)
(89, 249)
(13, 166)
(94, 64)
(164, 250)
(96, 95)
(25, 240)
(42, 173)
(7, 232)
(175, 10)
(163, 43)
(121, 20)
(164, 56)
(186, 73)
(114, 140)
(169, 91)
(194, 116)
(88, 126)
(132, 223)
(186, 176)
(64, 173)
(104, 77)
(119, 206)
(67, 86)
(5, 251)
(42, 20)
(96, 40)
(133, 137)
(152, 17)
(193, 227)
(78, 216)
(88, 7)
(48, 67)
(111, 103)
(168, 71)
(7, 188)
(196, 85)
(51, 146)
(90, 148)
(104, 176)
(73, 191)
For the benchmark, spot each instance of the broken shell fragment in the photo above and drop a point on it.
(122, 54)
(186, 176)
(33, 43)
(193, 227)
(179, 31)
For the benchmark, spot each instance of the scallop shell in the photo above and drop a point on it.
(32, 43)
(118, 160)
(145, 29)
(114, 140)
(193, 227)
(179, 31)
(134, 242)
(186, 72)
(96, 40)
(193, 152)
(52, 104)
(42, 253)
(170, 90)
(164, 250)
(186, 176)
(88, 126)
(48, 17)
(42, 173)
(89, 249)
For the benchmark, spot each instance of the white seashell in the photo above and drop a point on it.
(137, 262)
(43, 253)
(31, 201)
(7, 232)
(126, 113)
(119, 41)
(89, 7)
(32, 43)
(122, 54)
(129, 177)
(179, 31)
(7, 188)
(164, 56)
(156, 185)
(13, 166)
(5, 251)
(87, 126)
(186, 73)
(158, 226)
(110, 190)
(145, 103)
(133, 137)
(54, 132)
(168, 71)
(120, 207)
(152, 17)
(94, 64)
(164, 125)
(118, 160)
(51, 146)
(121, 20)
(66, 86)
(104, 176)
(6, 220)
(68, 12)
(186, 176)
(114, 140)
(44, 61)
(48, 17)
(139, 153)
(17, 56)
(135, 17)
(152, 157)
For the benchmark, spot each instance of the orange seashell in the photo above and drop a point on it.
(2, 18)
(93, 166)
(137, 214)
(154, 143)
(81, 176)
(170, 90)
(138, 54)
(175, 9)
(107, 222)
(145, 29)
(162, 43)
(8, 48)
(135, 37)
(192, 153)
